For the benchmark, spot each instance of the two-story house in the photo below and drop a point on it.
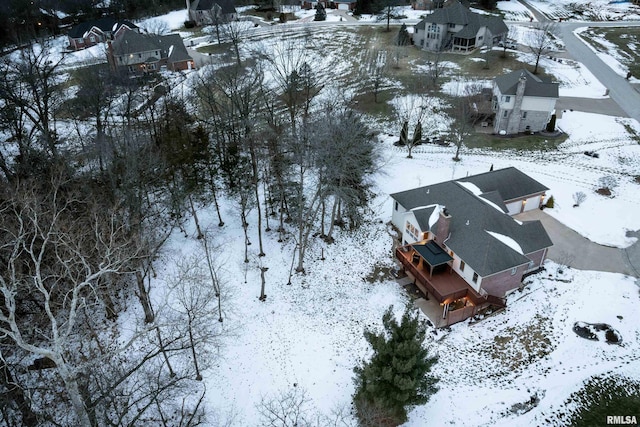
(133, 52)
(461, 244)
(522, 102)
(207, 12)
(456, 28)
(90, 33)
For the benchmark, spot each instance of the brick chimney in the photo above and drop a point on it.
(442, 226)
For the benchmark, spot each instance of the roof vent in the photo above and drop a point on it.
(427, 191)
(467, 222)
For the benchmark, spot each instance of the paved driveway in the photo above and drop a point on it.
(572, 249)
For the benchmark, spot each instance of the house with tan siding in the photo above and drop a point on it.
(461, 244)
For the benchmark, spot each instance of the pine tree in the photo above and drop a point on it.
(404, 134)
(397, 376)
(321, 13)
(403, 36)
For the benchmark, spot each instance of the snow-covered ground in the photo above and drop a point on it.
(307, 335)
(609, 53)
(594, 10)
(514, 11)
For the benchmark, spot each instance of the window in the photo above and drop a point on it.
(475, 278)
(462, 264)
(514, 270)
(452, 25)
(505, 114)
(531, 263)
(139, 55)
(93, 39)
(396, 205)
(507, 98)
(480, 38)
(524, 114)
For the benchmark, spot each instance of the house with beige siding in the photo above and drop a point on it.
(456, 28)
(461, 244)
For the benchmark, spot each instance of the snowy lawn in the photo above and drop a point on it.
(308, 335)
(621, 56)
(595, 10)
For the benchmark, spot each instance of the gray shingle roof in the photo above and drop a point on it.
(509, 182)
(472, 218)
(460, 15)
(176, 54)
(132, 42)
(535, 86)
(226, 6)
(105, 24)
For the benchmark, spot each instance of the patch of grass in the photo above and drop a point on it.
(603, 396)
(522, 345)
(380, 273)
(622, 37)
(632, 132)
(215, 49)
(524, 142)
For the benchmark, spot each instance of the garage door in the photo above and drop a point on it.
(514, 207)
(343, 6)
(532, 203)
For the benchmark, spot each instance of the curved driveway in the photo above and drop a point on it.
(572, 249)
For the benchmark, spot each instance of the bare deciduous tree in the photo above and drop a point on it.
(541, 40)
(60, 260)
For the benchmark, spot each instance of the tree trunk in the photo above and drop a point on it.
(263, 296)
(143, 296)
(254, 168)
(334, 209)
(215, 202)
(246, 236)
(71, 386)
(195, 218)
(193, 352)
(164, 353)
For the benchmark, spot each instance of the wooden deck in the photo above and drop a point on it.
(445, 286)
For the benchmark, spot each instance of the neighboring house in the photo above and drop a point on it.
(522, 102)
(206, 12)
(344, 4)
(87, 34)
(427, 4)
(460, 243)
(456, 28)
(141, 53)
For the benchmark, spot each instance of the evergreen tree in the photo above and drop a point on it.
(321, 13)
(403, 36)
(397, 375)
(404, 134)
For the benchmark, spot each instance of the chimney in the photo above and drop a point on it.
(442, 226)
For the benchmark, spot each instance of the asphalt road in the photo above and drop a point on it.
(620, 90)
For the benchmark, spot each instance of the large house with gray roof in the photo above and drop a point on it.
(522, 102)
(136, 53)
(207, 12)
(461, 244)
(456, 28)
(90, 33)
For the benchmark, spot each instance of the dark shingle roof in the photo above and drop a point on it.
(173, 48)
(170, 46)
(508, 83)
(105, 24)
(226, 6)
(509, 182)
(472, 218)
(460, 15)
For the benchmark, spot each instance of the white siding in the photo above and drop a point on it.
(343, 6)
(514, 207)
(532, 203)
(467, 274)
(530, 103)
(397, 217)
